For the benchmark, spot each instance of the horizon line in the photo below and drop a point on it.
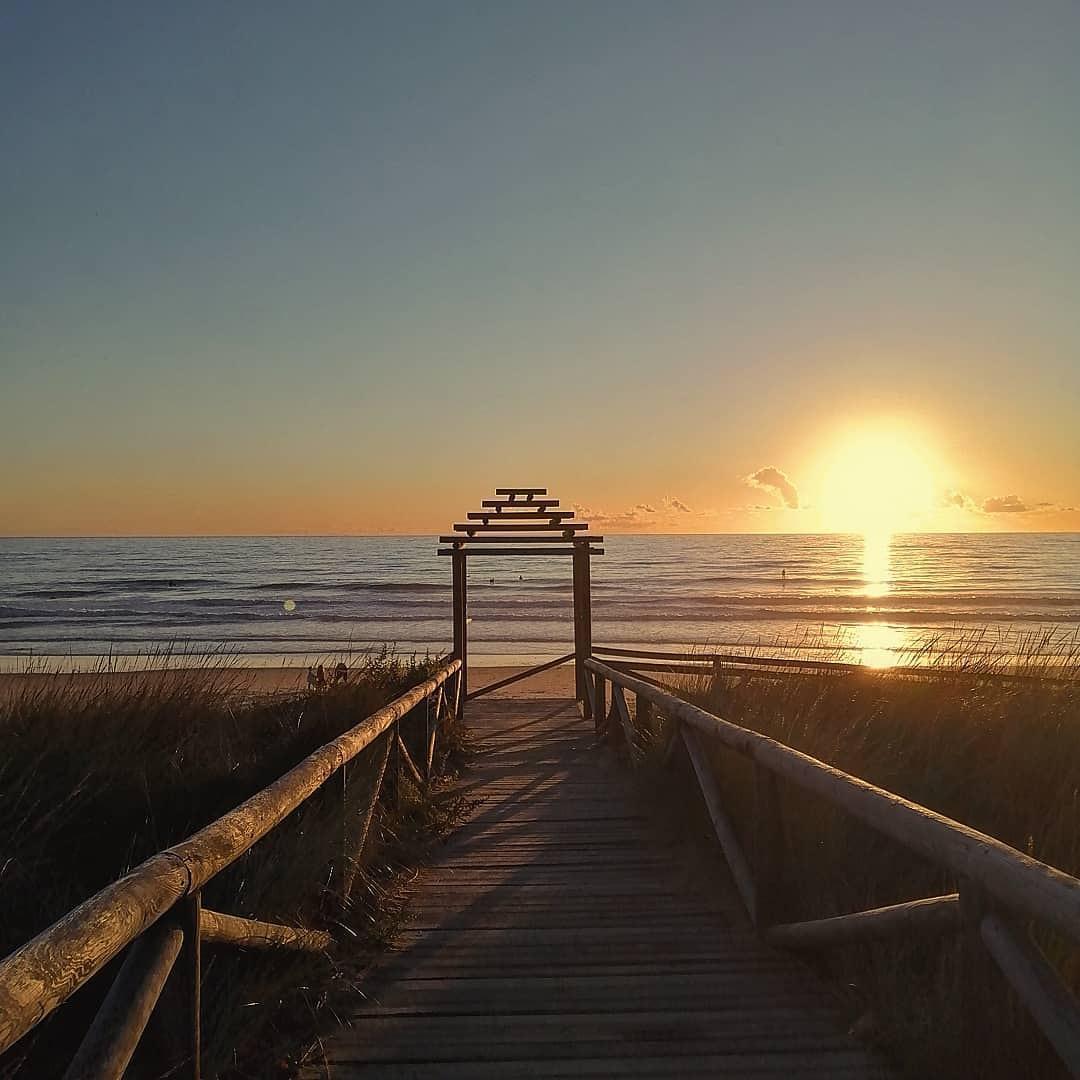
(434, 535)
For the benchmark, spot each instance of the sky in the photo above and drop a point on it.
(340, 267)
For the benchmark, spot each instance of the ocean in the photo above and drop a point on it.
(291, 599)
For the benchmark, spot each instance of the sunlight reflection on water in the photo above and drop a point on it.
(876, 564)
(878, 644)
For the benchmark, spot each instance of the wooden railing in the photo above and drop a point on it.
(998, 885)
(703, 662)
(156, 911)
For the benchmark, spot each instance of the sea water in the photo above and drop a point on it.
(276, 599)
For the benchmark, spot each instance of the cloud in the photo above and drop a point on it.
(671, 503)
(999, 504)
(1007, 504)
(960, 500)
(640, 514)
(776, 481)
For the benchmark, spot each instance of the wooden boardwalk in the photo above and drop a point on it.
(556, 936)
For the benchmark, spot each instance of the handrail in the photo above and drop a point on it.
(1016, 879)
(795, 664)
(988, 870)
(42, 974)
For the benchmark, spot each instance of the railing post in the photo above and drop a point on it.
(771, 903)
(345, 876)
(674, 741)
(392, 780)
(355, 855)
(433, 707)
(582, 621)
(189, 970)
(601, 707)
(643, 716)
(461, 635)
(976, 971)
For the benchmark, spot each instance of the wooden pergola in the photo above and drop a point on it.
(523, 521)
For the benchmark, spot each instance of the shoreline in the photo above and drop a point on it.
(284, 679)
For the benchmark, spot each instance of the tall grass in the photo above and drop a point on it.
(98, 773)
(999, 754)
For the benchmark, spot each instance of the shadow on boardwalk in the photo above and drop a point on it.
(556, 936)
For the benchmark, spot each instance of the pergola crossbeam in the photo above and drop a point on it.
(519, 515)
(500, 504)
(514, 538)
(517, 526)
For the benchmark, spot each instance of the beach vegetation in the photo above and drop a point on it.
(988, 740)
(100, 770)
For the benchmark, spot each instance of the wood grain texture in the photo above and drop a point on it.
(221, 929)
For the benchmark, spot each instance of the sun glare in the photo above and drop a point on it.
(877, 482)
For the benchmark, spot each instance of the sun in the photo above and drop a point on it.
(877, 481)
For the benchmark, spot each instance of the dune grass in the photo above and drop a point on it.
(999, 754)
(96, 774)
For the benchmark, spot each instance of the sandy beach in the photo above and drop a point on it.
(557, 682)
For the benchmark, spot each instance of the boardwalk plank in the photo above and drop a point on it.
(555, 936)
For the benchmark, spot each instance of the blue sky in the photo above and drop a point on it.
(258, 255)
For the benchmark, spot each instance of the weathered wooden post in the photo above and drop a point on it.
(582, 620)
(771, 904)
(976, 974)
(644, 717)
(189, 970)
(600, 716)
(460, 588)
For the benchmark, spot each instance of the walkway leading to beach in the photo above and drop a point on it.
(555, 936)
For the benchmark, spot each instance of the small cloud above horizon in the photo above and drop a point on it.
(671, 508)
(670, 502)
(960, 501)
(1007, 504)
(999, 504)
(777, 482)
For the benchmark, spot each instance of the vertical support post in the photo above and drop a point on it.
(461, 644)
(355, 858)
(344, 860)
(582, 619)
(190, 979)
(392, 782)
(976, 973)
(434, 719)
(771, 902)
(601, 704)
(643, 717)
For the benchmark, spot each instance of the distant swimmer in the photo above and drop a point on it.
(783, 577)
